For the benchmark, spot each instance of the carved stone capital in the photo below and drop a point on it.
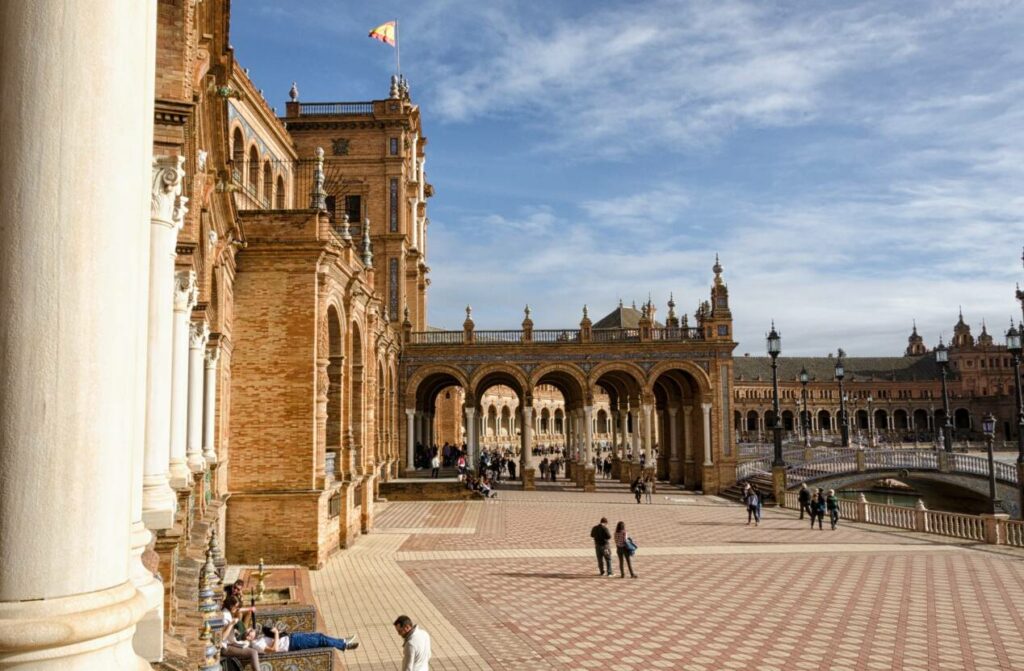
(198, 334)
(167, 205)
(212, 355)
(186, 290)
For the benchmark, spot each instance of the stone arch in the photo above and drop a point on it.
(435, 373)
(962, 419)
(335, 362)
(900, 419)
(494, 374)
(356, 390)
(695, 372)
(268, 184)
(920, 419)
(568, 379)
(753, 421)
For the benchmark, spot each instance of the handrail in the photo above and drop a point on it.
(341, 109)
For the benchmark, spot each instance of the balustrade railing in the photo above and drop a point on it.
(556, 335)
(503, 337)
(341, 109)
(437, 338)
(890, 516)
(911, 459)
(752, 467)
(955, 525)
(615, 335)
(676, 333)
(1013, 533)
(1006, 472)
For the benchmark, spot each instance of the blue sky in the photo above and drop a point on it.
(856, 165)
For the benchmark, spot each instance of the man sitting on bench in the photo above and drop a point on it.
(273, 641)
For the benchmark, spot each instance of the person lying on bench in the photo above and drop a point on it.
(274, 641)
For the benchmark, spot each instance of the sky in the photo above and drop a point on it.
(856, 166)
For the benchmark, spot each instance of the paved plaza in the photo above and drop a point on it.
(512, 584)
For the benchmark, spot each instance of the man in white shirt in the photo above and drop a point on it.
(416, 648)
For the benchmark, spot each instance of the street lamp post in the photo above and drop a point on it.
(871, 423)
(844, 427)
(774, 342)
(988, 426)
(942, 358)
(804, 417)
(1013, 346)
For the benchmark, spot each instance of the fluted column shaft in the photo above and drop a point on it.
(210, 403)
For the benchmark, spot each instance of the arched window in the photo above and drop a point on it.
(238, 149)
(279, 194)
(268, 185)
(254, 170)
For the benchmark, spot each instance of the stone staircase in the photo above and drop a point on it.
(763, 482)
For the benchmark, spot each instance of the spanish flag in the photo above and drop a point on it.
(385, 33)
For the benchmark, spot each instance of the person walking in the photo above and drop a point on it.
(622, 548)
(544, 468)
(804, 497)
(602, 547)
(753, 507)
(832, 504)
(818, 508)
(415, 645)
(638, 489)
(648, 489)
(435, 466)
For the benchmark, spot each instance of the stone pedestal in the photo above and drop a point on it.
(366, 515)
(709, 483)
(589, 483)
(616, 468)
(528, 479)
(626, 471)
(570, 470)
(779, 485)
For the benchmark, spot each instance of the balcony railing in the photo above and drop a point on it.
(549, 336)
(335, 109)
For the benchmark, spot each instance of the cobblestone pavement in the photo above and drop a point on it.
(512, 584)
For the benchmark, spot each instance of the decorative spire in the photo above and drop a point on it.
(318, 197)
(293, 93)
(469, 313)
(717, 269)
(527, 311)
(393, 94)
(915, 327)
(367, 247)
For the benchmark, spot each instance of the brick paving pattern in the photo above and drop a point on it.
(512, 584)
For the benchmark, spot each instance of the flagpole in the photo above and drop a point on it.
(398, 50)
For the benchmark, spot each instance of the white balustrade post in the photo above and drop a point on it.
(706, 407)
(199, 335)
(688, 433)
(74, 249)
(185, 297)
(471, 426)
(588, 435)
(212, 355)
(648, 421)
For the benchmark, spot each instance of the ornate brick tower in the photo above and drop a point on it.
(915, 344)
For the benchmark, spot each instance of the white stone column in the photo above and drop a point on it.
(199, 335)
(526, 451)
(636, 438)
(212, 355)
(648, 413)
(410, 438)
(185, 295)
(167, 210)
(588, 435)
(74, 249)
(471, 426)
(706, 407)
(623, 434)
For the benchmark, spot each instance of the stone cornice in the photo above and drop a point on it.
(172, 112)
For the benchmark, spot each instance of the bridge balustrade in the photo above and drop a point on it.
(1013, 533)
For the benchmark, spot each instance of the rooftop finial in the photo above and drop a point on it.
(620, 302)
(293, 92)
(393, 94)
(527, 311)
(671, 300)
(584, 310)
(469, 312)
